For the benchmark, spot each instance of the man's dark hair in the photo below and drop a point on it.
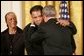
(36, 8)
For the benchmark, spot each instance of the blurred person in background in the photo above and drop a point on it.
(12, 41)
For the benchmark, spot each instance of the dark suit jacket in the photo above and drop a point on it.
(56, 39)
(32, 48)
(17, 43)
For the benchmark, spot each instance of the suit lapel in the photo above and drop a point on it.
(7, 38)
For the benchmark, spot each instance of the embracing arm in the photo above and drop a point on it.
(38, 35)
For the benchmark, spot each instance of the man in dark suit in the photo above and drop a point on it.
(12, 41)
(36, 17)
(56, 39)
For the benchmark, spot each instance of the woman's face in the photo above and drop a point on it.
(11, 20)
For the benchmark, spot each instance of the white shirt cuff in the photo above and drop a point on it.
(32, 25)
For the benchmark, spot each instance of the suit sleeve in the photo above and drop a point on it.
(72, 28)
(38, 35)
(2, 45)
(74, 31)
(73, 44)
(28, 31)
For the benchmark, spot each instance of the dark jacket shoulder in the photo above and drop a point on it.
(27, 26)
(18, 29)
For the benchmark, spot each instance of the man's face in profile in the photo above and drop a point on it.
(37, 17)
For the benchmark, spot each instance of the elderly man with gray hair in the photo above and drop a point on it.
(56, 39)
